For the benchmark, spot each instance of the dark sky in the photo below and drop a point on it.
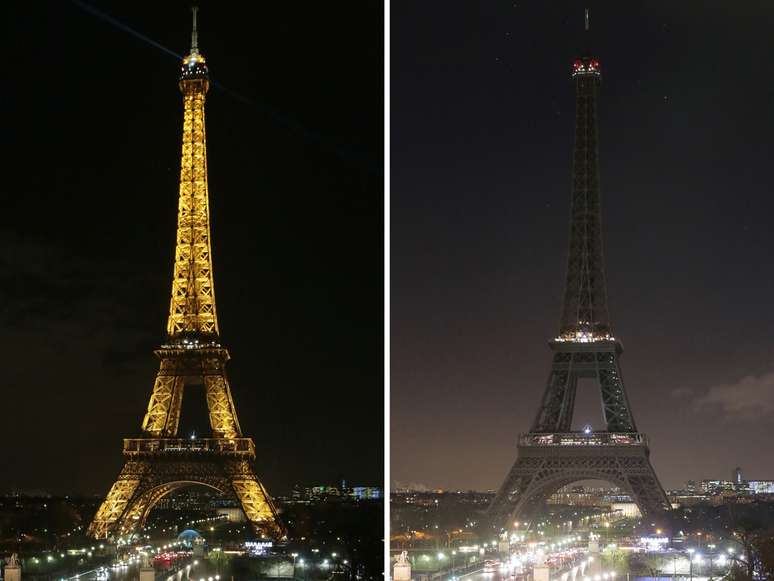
(482, 111)
(91, 128)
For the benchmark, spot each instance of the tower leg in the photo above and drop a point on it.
(163, 413)
(223, 418)
(256, 503)
(555, 413)
(117, 500)
(615, 404)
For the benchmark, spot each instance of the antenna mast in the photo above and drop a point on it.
(195, 35)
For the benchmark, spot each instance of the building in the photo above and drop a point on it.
(760, 486)
(717, 492)
(366, 493)
(626, 509)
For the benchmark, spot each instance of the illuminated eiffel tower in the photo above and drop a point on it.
(160, 462)
(551, 455)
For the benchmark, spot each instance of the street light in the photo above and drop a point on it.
(721, 561)
(690, 561)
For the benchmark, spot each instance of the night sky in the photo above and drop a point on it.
(91, 129)
(482, 112)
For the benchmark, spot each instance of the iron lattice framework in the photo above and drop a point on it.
(585, 293)
(192, 305)
(160, 463)
(551, 456)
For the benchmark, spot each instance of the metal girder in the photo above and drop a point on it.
(257, 504)
(223, 418)
(118, 498)
(615, 404)
(165, 403)
(112, 508)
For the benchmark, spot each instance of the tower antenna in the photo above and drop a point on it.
(587, 20)
(587, 34)
(195, 34)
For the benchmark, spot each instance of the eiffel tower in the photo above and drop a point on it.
(160, 462)
(551, 455)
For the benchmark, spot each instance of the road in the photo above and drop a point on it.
(190, 569)
(523, 565)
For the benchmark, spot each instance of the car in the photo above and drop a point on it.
(490, 566)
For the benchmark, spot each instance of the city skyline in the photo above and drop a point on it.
(682, 124)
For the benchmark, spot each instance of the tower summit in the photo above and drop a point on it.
(194, 65)
(552, 455)
(160, 461)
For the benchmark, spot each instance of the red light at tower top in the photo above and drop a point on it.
(585, 66)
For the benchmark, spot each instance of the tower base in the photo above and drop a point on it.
(156, 467)
(546, 462)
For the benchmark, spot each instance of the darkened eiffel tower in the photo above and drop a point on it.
(551, 455)
(160, 462)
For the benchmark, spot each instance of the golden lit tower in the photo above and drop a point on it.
(192, 307)
(160, 462)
